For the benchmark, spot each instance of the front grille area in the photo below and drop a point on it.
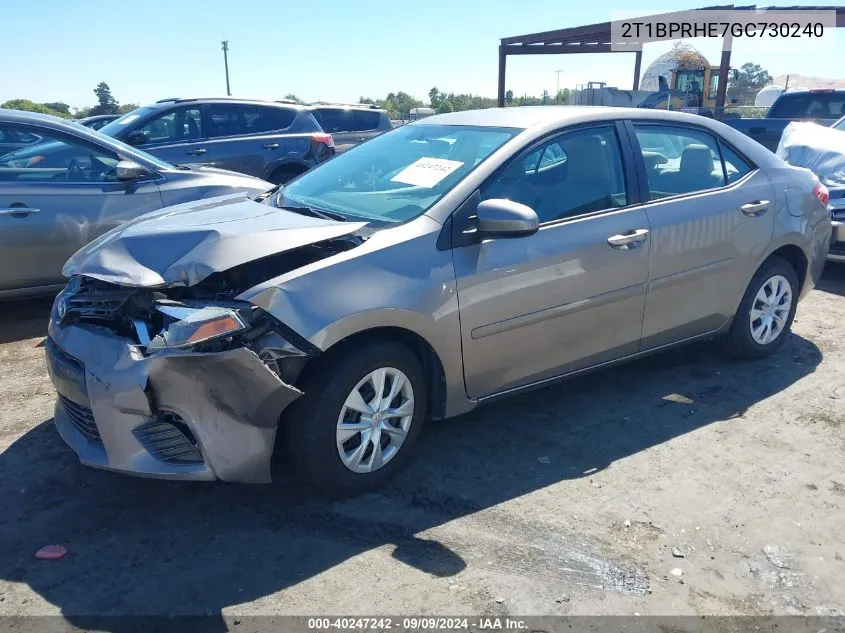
(168, 439)
(82, 418)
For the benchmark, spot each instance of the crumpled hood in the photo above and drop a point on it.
(183, 244)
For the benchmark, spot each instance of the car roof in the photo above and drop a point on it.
(164, 103)
(346, 106)
(525, 117)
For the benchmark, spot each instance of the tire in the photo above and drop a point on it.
(311, 423)
(740, 339)
(283, 175)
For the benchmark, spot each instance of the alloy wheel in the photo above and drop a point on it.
(770, 310)
(375, 419)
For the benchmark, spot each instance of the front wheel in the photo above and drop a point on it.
(766, 311)
(359, 418)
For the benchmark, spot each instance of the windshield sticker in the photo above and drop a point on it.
(128, 119)
(427, 172)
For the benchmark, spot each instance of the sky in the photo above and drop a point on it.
(334, 50)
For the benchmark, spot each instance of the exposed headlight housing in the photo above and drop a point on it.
(194, 326)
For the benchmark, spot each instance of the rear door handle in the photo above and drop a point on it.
(196, 152)
(757, 129)
(18, 212)
(361, 140)
(756, 208)
(628, 240)
(270, 146)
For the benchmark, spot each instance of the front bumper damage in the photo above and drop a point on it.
(175, 414)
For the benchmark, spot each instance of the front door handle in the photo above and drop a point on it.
(18, 212)
(271, 146)
(196, 152)
(628, 240)
(756, 208)
(361, 140)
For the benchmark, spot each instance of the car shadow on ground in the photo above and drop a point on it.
(24, 318)
(833, 279)
(151, 547)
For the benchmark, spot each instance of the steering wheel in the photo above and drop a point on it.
(74, 173)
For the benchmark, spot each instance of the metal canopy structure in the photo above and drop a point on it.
(597, 38)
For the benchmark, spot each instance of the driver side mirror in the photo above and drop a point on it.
(129, 170)
(498, 217)
(136, 138)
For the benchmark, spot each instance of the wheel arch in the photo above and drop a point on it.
(419, 345)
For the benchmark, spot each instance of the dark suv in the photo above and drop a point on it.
(351, 125)
(271, 140)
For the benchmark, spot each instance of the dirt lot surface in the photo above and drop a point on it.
(599, 496)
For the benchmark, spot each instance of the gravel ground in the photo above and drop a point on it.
(599, 496)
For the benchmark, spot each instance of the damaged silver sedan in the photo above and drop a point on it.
(445, 264)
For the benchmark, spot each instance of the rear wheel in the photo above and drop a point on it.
(285, 174)
(359, 419)
(765, 314)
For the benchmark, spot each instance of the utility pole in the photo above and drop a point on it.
(226, 63)
(557, 74)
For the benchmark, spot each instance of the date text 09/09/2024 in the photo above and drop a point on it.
(720, 29)
(422, 623)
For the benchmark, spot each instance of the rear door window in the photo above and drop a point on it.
(267, 118)
(679, 160)
(365, 121)
(334, 120)
(226, 120)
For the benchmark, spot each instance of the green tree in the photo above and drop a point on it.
(106, 103)
(366, 100)
(58, 106)
(434, 97)
(29, 106)
(293, 97)
(747, 82)
(509, 97)
(127, 107)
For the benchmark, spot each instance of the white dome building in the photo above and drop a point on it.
(682, 56)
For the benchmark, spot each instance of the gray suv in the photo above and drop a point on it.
(272, 140)
(351, 125)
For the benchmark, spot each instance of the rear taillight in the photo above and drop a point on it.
(822, 193)
(325, 139)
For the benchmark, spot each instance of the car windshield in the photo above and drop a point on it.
(397, 176)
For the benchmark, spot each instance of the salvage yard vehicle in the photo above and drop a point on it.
(496, 251)
(822, 151)
(823, 106)
(272, 140)
(73, 185)
(351, 125)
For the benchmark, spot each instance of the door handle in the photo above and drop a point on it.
(196, 152)
(270, 146)
(18, 212)
(628, 240)
(756, 208)
(361, 140)
(757, 129)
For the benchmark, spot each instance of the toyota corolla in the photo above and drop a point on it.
(438, 267)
